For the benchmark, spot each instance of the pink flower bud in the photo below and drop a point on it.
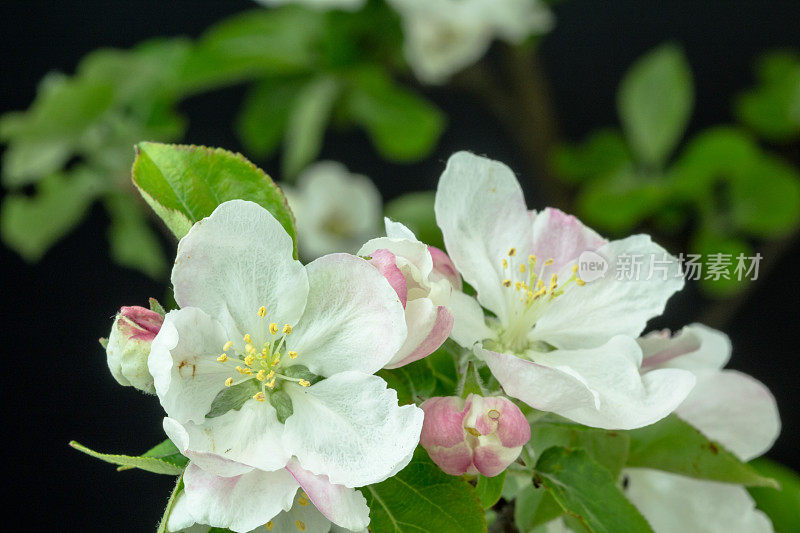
(477, 436)
(129, 346)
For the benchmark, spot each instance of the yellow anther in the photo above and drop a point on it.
(248, 339)
(273, 328)
(292, 354)
(304, 383)
(260, 396)
(549, 262)
(518, 285)
(277, 361)
(532, 259)
(222, 358)
(260, 375)
(302, 501)
(540, 284)
(301, 526)
(229, 382)
(529, 294)
(473, 431)
(287, 329)
(522, 269)
(505, 263)
(575, 268)
(248, 349)
(262, 311)
(512, 252)
(506, 282)
(494, 414)
(228, 346)
(269, 525)
(244, 371)
(271, 383)
(580, 282)
(249, 360)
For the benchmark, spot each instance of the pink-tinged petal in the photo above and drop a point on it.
(343, 506)
(658, 347)
(443, 424)
(469, 322)
(428, 328)
(562, 238)
(455, 461)
(599, 387)
(240, 503)
(353, 320)
(443, 267)
(208, 461)
(481, 211)
(497, 414)
(734, 409)
(490, 461)
(696, 347)
(140, 323)
(409, 251)
(385, 262)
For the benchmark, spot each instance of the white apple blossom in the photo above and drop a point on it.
(729, 407)
(350, 5)
(423, 278)
(336, 210)
(444, 36)
(305, 339)
(553, 341)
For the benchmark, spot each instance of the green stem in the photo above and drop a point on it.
(162, 526)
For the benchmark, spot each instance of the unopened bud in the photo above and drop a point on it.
(128, 346)
(477, 436)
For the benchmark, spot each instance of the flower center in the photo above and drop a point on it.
(528, 289)
(263, 358)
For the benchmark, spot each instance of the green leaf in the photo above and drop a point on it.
(162, 525)
(587, 492)
(772, 109)
(412, 382)
(150, 464)
(534, 507)
(422, 498)
(31, 225)
(402, 125)
(166, 451)
(415, 210)
(233, 398)
(442, 365)
(490, 489)
(306, 125)
(675, 446)
(184, 184)
(780, 505)
(654, 102)
(133, 243)
(608, 448)
(602, 153)
(282, 403)
(710, 243)
(471, 382)
(156, 307)
(265, 112)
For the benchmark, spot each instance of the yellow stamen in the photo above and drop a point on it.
(505, 263)
(512, 252)
(222, 358)
(271, 383)
(248, 339)
(549, 262)
(518, 285)
(580, 282)
(301, 526)
(262, 311)
(273, 328)
(522, 269)
(575, 268)
(302, 501)
(287, 329)
(228, 346)
(276, 362)
(269, 525)
(260, 375)
(248, 349)
(532, 259)
(506, 282)
(304, 383)
(260, 396)
(229, 382)
(249, 360)
(292, 354)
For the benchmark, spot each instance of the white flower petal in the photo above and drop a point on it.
(184, 366)
(413, 252)
(674, 503)
(181, 519)
(344, 506)
(588, 316)
(598, 387)
(469, 323)
(695, 347)
(239, 503)
(350, 428)
(734, 409)
(235, 261)
(428, 327)
(250, 436)
(397, 230)
(562, 238)
(208, 461)
(481, 211)
(353, 319)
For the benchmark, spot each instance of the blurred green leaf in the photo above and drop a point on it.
(443, 366)
(265, 113)
(675, 446)
(412, 381)
(721, 249)
(490, 489)
(588, 492)
(415, 210)
(606, 447)
(184, 184)
(655, 102)
(602, 153)
(766, 203)
(402, 125)
(534, 507)
(31, 224)
(781, 505)
(132, 241)
(307, 120)
(772, 108)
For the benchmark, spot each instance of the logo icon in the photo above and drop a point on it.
(591, 266)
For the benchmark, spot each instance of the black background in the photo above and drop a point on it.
(56, 385)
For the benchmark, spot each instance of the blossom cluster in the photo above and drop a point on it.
(267, 371)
